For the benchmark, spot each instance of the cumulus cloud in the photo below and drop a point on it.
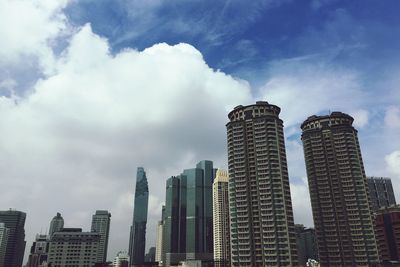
(393, 166)
(74, 143)
(392, 117)
(305, 86)
(393, 162)
(27, 29)
(302, 203)
(360, 118)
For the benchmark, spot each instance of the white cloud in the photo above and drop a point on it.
(392, 117)
(393, 162)
(361, 117)
(74, 143)
(301, 203)
(27, 29)
(302, 87)
(393, 166)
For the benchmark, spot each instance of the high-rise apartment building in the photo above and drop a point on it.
(137, 242)
(188, 232)
(339, 191)
(4, 232)
(56, 224)
(221, 221)
(39, 251)
(15, 221)
(306, 244)
(101, 224)
(380, 192)
(262, 228)
(387, 226)
(72, 247)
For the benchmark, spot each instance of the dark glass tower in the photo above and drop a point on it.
(338, 191)
(188, 224)
(260, 206)
(381, 192)
(15, 221)
(137, 241)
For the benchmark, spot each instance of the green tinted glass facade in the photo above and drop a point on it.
(188, 211)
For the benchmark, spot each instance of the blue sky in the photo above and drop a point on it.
(241, 38)
(90, 90)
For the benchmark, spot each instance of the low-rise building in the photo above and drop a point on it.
(387, 227)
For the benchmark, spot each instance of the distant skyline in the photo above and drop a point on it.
(89, 90)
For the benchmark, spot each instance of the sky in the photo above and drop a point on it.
(90, 90)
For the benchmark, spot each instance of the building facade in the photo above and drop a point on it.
(150, 255)
(39, 251)
(306, 244)
(222, 251)
(101, 224)
(159, 242)
(137, 242)
(72, 247)
(262, 228)
(56, 224)
(15, 221)
(4, 232)
(188, 229)
(380, 192)
(339, 191)
(387, 225)
(121, 260)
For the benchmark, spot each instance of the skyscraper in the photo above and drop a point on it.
(380, 192)
(4, 232)
(137, 242)
(262, 228)
(101, 224)
(56, 224)
(339, 191)
(221, 219)
(188, 225)
(15, 221)
(159, 242)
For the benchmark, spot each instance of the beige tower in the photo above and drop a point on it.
(338, 191)
(221, 219)
(159, 243)
(260, 206)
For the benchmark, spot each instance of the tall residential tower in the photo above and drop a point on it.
(262, 228)
(222, 250)
(339, 191)
(137, 242)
